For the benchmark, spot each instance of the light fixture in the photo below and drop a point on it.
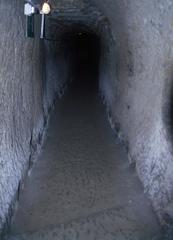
(29, 9)
(46, 9)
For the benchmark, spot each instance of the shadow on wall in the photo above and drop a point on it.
(167, 111)
(73, 54)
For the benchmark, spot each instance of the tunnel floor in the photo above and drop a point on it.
(82, 186)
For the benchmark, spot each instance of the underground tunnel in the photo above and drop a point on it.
(86, 145)
(84, 48)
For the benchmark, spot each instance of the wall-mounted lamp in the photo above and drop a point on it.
(46, 9)
(30, 10)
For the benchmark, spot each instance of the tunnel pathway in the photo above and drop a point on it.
(82, 186)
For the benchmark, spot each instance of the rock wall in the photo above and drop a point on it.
(137, 85)
(56, 73)
(21, 107)
(26, 97)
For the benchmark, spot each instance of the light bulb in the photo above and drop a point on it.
(29, 9)
(46, 9)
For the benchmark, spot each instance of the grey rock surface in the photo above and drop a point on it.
(22, 117)
(82, 186)
(135, 80)
(25, 102)
(112, 224)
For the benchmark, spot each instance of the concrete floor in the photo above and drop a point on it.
(82, 186)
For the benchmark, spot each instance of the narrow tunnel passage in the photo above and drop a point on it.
(82, 186)
(85, 57)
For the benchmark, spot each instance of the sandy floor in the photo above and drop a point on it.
(82, 186)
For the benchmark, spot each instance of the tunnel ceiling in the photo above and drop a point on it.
(79, 19)
(73, 4)
(70, 14)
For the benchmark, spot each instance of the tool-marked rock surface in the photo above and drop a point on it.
(82, 186)
(111, 224)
